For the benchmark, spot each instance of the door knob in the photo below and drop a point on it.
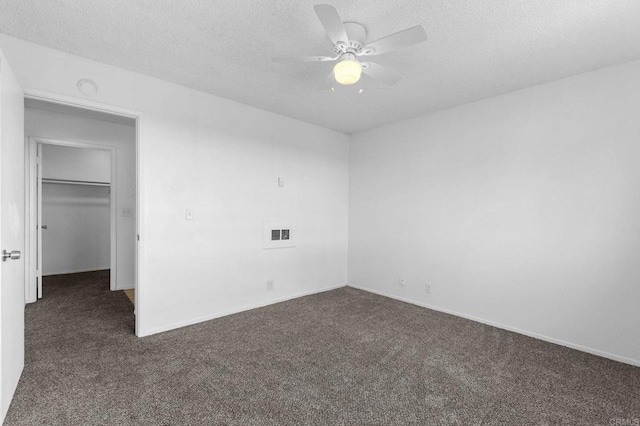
(13, 255)
(44, 227)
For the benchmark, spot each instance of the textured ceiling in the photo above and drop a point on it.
(475, 49)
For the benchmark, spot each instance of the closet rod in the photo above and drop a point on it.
(75, 182)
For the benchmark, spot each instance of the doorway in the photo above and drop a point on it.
(15, 226)
(81, 194)
(73, 204)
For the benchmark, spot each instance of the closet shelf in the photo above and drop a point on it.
(75, 182)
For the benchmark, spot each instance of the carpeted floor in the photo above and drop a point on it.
(340, 357)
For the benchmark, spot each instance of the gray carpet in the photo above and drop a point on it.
(340, 357)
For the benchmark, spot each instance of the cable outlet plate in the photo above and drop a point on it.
(276, 235)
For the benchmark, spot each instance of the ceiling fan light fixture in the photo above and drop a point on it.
(349, 41)
(347, 72)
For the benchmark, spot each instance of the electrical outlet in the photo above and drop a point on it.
(427, 288)
(401, 281)
(270, 285)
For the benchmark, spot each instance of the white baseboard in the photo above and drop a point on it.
(581, 348)
(193, 321)
(77, 271)
(125, 287)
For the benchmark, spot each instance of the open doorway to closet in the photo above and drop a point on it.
(82, 198)
(74, 209)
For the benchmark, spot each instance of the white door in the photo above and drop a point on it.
(12, 233)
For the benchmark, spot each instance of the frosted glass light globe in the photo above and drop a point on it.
(347, 72)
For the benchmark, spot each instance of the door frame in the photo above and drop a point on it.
(88, 104)
(34, 215)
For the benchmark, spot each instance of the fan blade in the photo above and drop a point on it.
(304, 59)
(395, 41)
(332, 23)
(381, 73)
(328, 82)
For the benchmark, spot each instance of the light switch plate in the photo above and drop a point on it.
(189, 214)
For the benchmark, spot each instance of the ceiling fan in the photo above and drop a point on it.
(348, 40)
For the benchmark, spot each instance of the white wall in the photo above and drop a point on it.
(69, 163)
(53, 125)
(222, 160)
(520, 210)
(77, 238)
